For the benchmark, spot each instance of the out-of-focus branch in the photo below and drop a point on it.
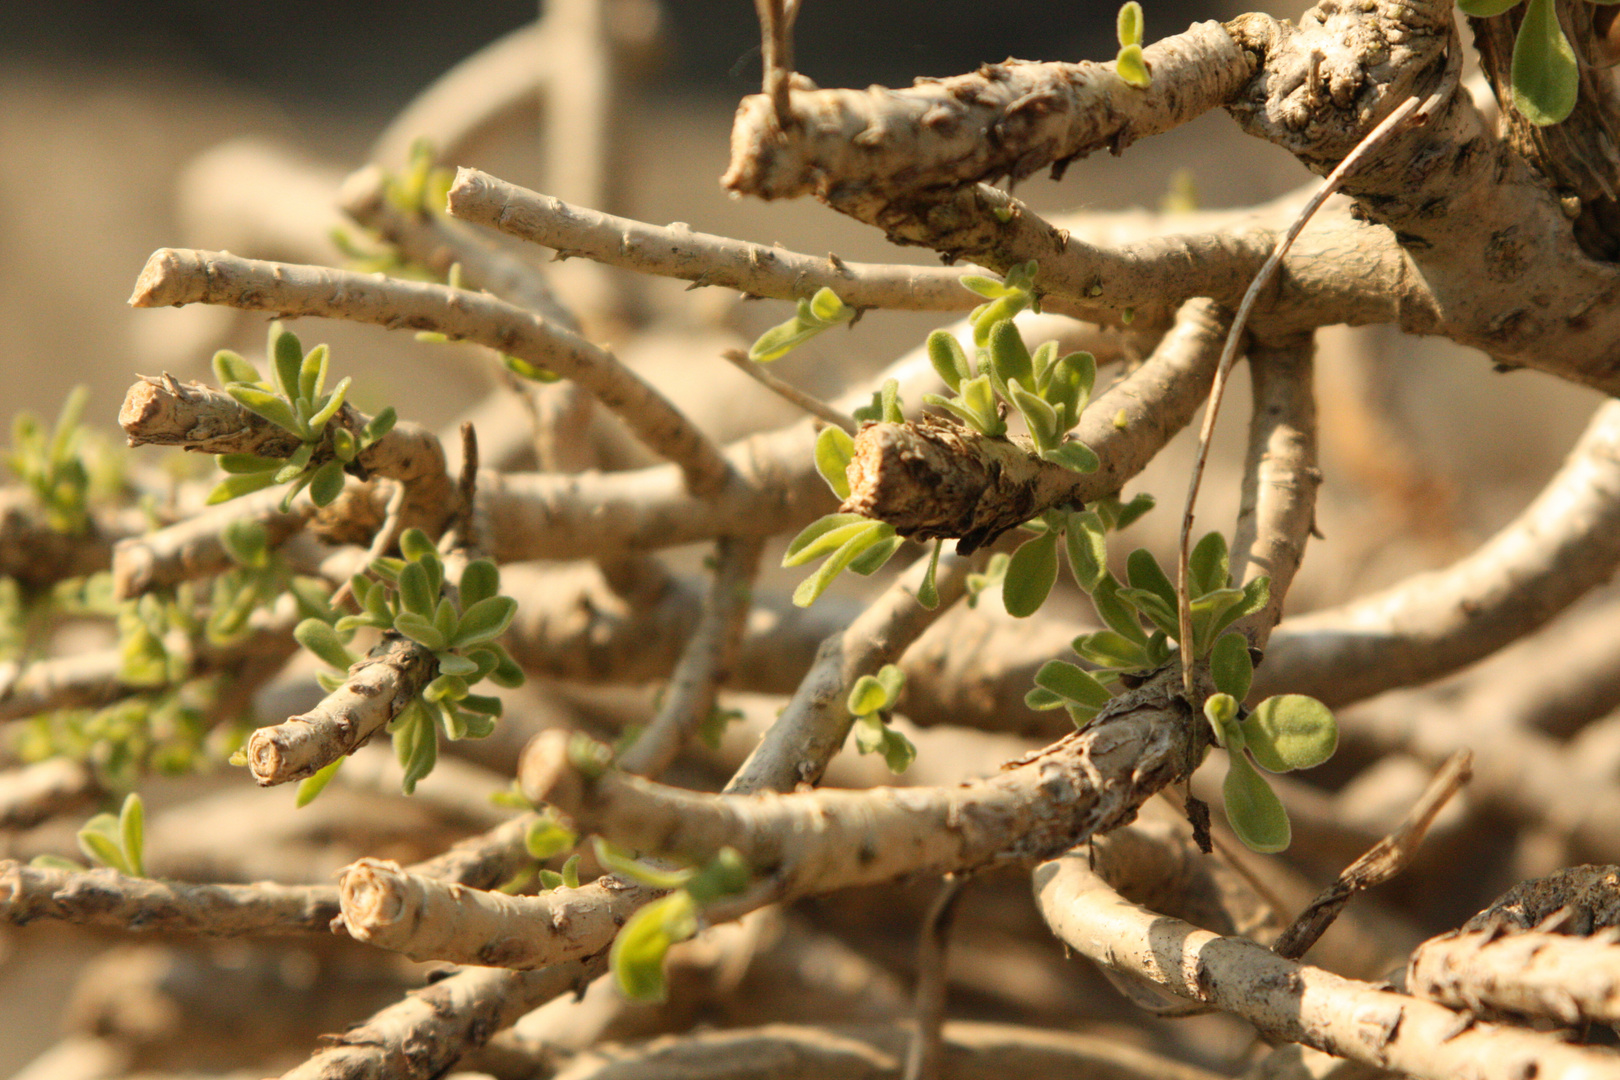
(39, 556)
(1564, 542)
(176, 277)
(1280, 478)
(1295, 1002)
(702, 258)
(39, 792)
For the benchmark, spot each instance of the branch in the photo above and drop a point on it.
(377, 688)
(39, 792)
(1564, 543)
(175, 277)
(1569, 979)
(705, 259)
(937, 478)
(862, 149)
(1295, 1002)
(39, 556)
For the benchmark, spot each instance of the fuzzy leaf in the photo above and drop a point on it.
(1115, 613)
(1545, 76)
(453, 664)
(416, 595)
(1107, 649)
(979, 398)
(1484, 9)
(1132, 67)
(327, 483)
(1153, 606)
(480, 580)
(246, 463)
(311, 786)
(834, 449)
(1221, 710)
(267, 405)
(1208, 567)
(1256, 595)
(889, 397)
(928, 591)
(1253, 809)
(132, 834)
(1133, 510)
(420, 630)
(485, 621)
(867, 696)
(312, 373)
(812, 587)
(1144, 573)
(1291, 731)
(229, 367)
(242, 484)
(1041, 700)
(1086, 541)
(949, 359)
(1039, 416)
(99, 846)
(637, 956)
(1231, 666)
(811, 537)
(287, 357)
(1030, 576)
(1072, 683)
(1128, 24)
(1009, 357)
(1074, 456)
(380, 425)
(334, 402)
(323, 640)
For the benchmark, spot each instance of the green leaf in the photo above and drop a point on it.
(327, 483)
(445, 688)
(1144, 573)
(812, 534)
(898, 751)
(424, 752)
(452, 664)
(1107, 649)
(1221, 710)
(949, 359)
(834, 450)
(415, 593)
(96, 841)
(287, 356)
(482, 705)
(1153, 606)
(1030, 576)
(1208, 567)
(994, 313)
(247, 463)
(637, 956)
(1231, 666)
(1085, 538)
(415, 545)
(1072, 683)
(987, 287)
(1253, 809)
(235, 486)
(267, 405)
(132, 834)
(312, 786)
(507, 673)
(875, 557)
(1132, 67)
(1075, 456)
(1128, 24)
(480, 580)
(1115, 613)
(1256, 595)
(1042, 359)
(230, 367)
(893, 680)
(979, 398)
(380, 425)
(928, 591)
(1291, 731)
(295, 463)
(247, 543)
(334, 402)
(323, 640)
(619, 861)
(1039, 416)
(1068, 386)
(889, 397)
(1009, 357)
(1484, 9)
(1545, 76)
(312, 373)
(1042, 700)
(1133, 510)
(547, 838)
(812, 587)
(867, 696)
(485, 621)
(420, 630)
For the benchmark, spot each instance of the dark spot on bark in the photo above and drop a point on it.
(1505, 257)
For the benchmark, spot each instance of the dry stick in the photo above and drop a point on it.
(176, 276)
(971, 1051)
(1375, 138)
(925, 1053)
(707, 661)
(788, 392)
(1386, 859)
(1295, 1002)
(1573, 980)
(776, 44)
(701, 258)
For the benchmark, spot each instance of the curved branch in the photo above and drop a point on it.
(176, 277)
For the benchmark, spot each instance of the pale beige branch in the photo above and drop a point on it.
(177, 277)
(35, 793)
(1570, 979)
(1294, 1002)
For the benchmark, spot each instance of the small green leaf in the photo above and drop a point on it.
(132, 834)
(380, 425)
(311, 786)
(637, 956)
(230, 367)
(334, 402)
(1132, 67)
(1253, 809)
(312, 373)
(445, 688)
(420, 630)
(235, 486)
(1256, 595)
(1128, 24)
(867, 696)
(1221, 710)
(987, 287)
(1107, 649)
(979, 399)
(1074, 456)
(547, 838)
(893, 680)
(1545, 76)
(1038, 416)
(928, 591)
(480, 580)
(1068, 386)
(1009, 357)
(1042, 359)
(247, 543)
(827, 307)
(1153, 606)
(949, 359)
(813, 532)
(247, 463)
(1231, 666)
(453, 664)
(1484, 9)
(889, 396)
(1291, 731)
(994, 313)
(287, 355)
(485, 621)
(898, 751)
(812, 587)
(507, 673)
(1132, 510)
(481, 705)
(1042, 700)
(415, 593)
(327, 483)
(1072, 683)
(267, 405)
(1030, 576)
(875, 557)
(96, 841)
(1208, 567)
(323, 640)
(1144, 573)
(1085, 538)
(424, 753)
(619, 861)
(834, 449)
(1115, 613)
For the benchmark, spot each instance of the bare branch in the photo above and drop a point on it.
(39, 792)
(1295, 1002)
(1569, 979)
(177, 277)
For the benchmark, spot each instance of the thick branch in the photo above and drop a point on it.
(177, 277)
(1573, 980)
(1295, 1002)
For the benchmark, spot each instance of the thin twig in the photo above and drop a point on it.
(380, 543)
(788, 392)
(1386, 859)
(1352, 161)
(926, 1050)
(776, 46)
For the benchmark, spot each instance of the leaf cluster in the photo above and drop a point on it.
(115, 840)
(812, 316)
(871, 703)
(50, 464)
(1283, 733)
(296, 400)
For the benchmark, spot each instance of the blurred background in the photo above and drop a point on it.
(112, 116)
